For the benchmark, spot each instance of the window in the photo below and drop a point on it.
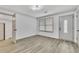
(65, 26)
(42, 24)
(46, 24)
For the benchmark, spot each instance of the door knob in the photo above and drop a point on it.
(59, 28)
(78, 30)
(14, 29)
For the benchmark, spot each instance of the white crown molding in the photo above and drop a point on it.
(57, 13)
(16, 12)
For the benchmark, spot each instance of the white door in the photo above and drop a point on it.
(77, 27)
(2, 34)
(66, 27)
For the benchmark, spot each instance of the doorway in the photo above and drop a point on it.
(66, 27)
(8, 27)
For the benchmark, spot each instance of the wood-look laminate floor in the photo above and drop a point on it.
(40, 44)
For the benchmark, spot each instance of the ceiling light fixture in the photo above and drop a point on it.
(36, 7)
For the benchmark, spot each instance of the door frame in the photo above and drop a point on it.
(4, 30)
(14, 28)
(72, 24)
(76, 18)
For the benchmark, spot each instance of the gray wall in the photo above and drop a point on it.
(25, 25)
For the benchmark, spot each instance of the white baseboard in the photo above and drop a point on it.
(18, 38)
(49, 36)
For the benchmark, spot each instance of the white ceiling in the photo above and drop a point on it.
(47, 9)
